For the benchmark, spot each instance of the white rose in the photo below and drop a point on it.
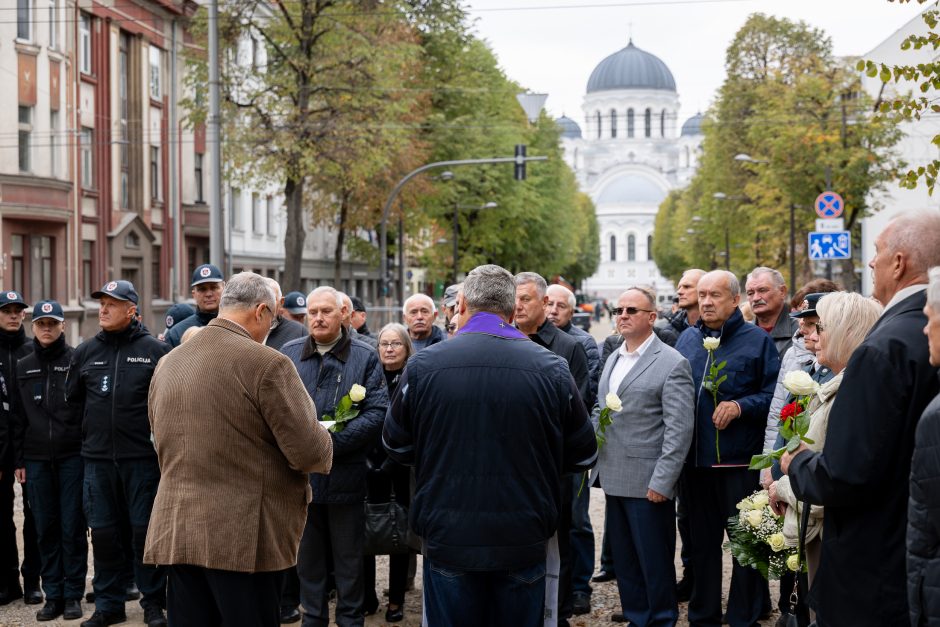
(776, 542)
(745, 505)
(793, 562)
(357, 393)
(613, 401)
(799, 383)
(760, 500)
(711, 343)
(754, 517)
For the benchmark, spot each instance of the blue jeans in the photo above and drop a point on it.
(105, 482)
(469, 599)
(55, 496)
(582, 538)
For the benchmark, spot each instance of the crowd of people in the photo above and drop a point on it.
(221, 468)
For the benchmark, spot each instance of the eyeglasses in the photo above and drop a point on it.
(388, 345)
(630, 311)
(273, 317)
(820, 327)
(451, 327)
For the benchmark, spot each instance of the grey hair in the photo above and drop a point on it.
(933, 288)
(276, 287)
(532, 277)
(646, 291)
(917, 235)
(775, 275)
(346, 300)
(733, 284)
(326, 289)
(490, 288)
(569, 295)
(246, 290)
(402, 332)
(404, 307)
(847, 318)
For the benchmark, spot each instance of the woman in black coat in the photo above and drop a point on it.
(385, 476)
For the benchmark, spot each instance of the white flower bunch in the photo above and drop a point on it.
(757, 540)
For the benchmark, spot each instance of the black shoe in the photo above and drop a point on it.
(50, 611)
(32, 596)
(580, 603)
(604, 575)
(370, 606)
(73, 609)
(103, 619)
(618, 618)
(131, 593)
(10, 594)
(90, 597)
(289, 614)
(154, 616)
(684, 589)
(395, 616)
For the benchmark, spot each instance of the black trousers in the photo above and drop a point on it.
(711, 497)
(9, 554)
(203, 597)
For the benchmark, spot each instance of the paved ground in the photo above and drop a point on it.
(605, 599)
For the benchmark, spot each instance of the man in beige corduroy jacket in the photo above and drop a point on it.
(236, 435)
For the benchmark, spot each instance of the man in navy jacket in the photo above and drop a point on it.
(716, 485)
(490, 420)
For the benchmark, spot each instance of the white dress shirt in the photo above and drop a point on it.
(626, 362)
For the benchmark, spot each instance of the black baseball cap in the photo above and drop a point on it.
(808, 306)
(178, 313)
(357, 304)
(12, 298)
(121, 290)
(48, 309)
(295, 302)
(206, 273)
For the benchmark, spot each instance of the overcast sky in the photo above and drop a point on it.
(552, 46)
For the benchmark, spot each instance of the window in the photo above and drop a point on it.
(271, 224)
(155, 76)
(255, 54)
(24, 19)
(613, 123)
(18, 261)
(662, 124)
(649, 247)
(613, 248)
(648, 122)
(234, 208)
(199, 196)
(125, 191)
(597, 117)
(631, 247)
(155, 172)
(629, 122)
(88, 268)
(26, 133)
(31, 259)
(54, 24)
(84, 36)
(256, 214)
(53, 143)
(88, 160)
(132, 242)
(155, 286)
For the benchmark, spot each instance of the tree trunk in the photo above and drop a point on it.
(294, 235)
(340, 238)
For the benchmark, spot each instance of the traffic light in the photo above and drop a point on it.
(519, 173)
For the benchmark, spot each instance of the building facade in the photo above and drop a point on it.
(628, 157)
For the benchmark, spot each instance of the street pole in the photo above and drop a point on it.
(727, 249)
(792, 248)
(456, 227)
(214, 141)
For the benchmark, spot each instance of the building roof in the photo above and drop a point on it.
(569, 128)
(693, 126)
(631, 68)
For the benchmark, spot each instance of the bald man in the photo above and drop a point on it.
(420, 312)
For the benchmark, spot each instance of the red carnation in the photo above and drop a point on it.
(791, 410)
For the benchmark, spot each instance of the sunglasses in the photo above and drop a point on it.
(630, 311)
(451, 327)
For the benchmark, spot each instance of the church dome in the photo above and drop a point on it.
(631, 68)
(693, 126)
(569, 128)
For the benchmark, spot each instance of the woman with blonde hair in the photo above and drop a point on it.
(844, 320)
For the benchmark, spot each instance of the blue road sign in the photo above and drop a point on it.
(837, 245)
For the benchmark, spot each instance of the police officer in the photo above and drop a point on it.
(109, 378)
(295, 307)
(14, 345)
(48, 444)
(207, 287)
(174, 315)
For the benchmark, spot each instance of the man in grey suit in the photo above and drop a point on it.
(640, 463)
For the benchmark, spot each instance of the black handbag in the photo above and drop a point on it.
(800, 613)
(386, 528)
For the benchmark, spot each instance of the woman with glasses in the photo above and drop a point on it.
(844, 321)
(385, 476)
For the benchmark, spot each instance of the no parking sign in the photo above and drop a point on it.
(829, 205)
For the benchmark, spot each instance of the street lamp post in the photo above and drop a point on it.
(722, 197)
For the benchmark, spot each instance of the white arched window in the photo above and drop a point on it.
(662, 124)
(631, 247)
(613, 123)
(648, 122)
(630, 122)
(688, 158)
(649, 247)
(597, 117)
(613, 248)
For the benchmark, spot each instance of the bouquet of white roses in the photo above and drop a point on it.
(756, 538)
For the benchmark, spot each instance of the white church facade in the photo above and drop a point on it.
(628, 157)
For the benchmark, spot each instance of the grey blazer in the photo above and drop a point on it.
(650, 437)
